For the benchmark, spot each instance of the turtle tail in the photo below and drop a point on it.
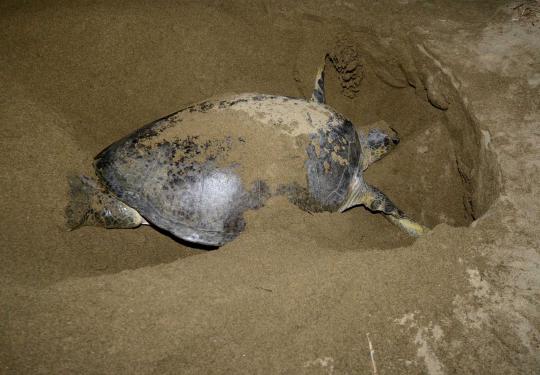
(90, 204)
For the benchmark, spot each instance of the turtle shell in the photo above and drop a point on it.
(195, 172)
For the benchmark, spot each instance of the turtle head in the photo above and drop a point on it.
(379, 142)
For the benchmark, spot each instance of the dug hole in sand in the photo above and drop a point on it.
(296, 293)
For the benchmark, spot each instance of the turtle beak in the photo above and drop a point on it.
(394, 137)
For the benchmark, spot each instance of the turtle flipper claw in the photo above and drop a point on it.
(411, 227)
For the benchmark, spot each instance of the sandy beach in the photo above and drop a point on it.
(296, 292)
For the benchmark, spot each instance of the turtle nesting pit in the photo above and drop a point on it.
(442, 171)
(295, 292)
(436, 174)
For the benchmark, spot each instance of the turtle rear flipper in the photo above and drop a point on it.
(318, 94)
(90, 204)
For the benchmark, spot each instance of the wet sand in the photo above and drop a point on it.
(296, 292)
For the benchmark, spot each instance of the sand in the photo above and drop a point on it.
(296, 293)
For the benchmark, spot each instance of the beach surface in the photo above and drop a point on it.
(296, 292)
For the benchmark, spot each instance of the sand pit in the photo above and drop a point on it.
(296, 293)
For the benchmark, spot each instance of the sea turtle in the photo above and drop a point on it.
(195, 172)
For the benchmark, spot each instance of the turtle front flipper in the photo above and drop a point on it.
(410, 226)
(318, 94)
(376, 201)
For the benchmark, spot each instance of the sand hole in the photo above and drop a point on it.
(443, 170)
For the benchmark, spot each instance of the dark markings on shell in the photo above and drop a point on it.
(334, 154)
(300, 197)
(182, 186)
